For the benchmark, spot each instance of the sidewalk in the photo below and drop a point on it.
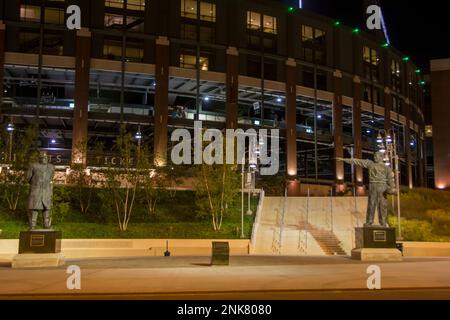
(186, 275)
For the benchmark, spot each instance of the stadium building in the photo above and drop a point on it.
(155, 66)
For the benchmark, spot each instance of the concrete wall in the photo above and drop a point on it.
(96, 248)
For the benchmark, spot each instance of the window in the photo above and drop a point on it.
(371, 56)
(314, 45)
(189, 62)
(371, 61)
(395, 76)
(207, 10)
(268, 25)
(115, 21)
(253, 20)
(30, 13)
(114, 3)
(138, 5)
(307, 34)
(189, 32)
(54, 16)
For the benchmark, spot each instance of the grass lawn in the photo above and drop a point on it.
(177, 230)
(175, 219)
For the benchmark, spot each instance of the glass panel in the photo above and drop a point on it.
(307, 33)
(270, 24)
(253, 20)
(54, 16)
(366, 54)
(189, 9)
(30, 13)
(207, 11)
(136, 5)
(114, 3)
(189, 62)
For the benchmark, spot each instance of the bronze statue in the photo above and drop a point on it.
(381, 184)
(40, 177)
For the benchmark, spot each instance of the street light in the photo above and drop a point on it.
(253, 166)
(10, 129)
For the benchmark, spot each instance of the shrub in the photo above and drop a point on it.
(440, 221)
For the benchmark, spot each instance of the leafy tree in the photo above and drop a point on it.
(13, 178)
(216, 188)
(123, 181)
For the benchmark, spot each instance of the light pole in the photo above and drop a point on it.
(10, 129)
(387, 143)
(253, 166)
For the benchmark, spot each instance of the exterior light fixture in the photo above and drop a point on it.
(138, 135)
(389, 139)
(10, 127)
(279, 100)
(379, 139)
(319, 116)
(53, 141)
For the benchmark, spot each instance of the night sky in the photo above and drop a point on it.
(419, 29)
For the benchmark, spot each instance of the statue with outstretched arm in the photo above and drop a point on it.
(40, 177)
(380, 185)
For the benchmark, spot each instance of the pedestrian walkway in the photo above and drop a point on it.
(176, 275)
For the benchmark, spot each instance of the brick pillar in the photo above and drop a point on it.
(232, 88)
(409, 173)
(161, 100)
(291, 127)
(421, 156)
(387, 109)
(2, 56)
(80, 113)
(357, 128)
(337, 128)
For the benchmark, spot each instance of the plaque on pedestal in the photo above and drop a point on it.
(375, 238)
(40, 242)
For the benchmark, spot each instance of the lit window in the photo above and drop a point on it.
(371, 56)
(54, 16)
(270, 24)
(189, 62)
(112, 20)
(253, 20)
(138, 5)
(307, 33)
(207, 10)
(429, 131)
(30, 13)
(114, 3)
(395, 68)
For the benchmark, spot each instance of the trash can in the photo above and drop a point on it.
(220, 254)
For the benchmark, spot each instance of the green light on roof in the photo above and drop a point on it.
(385, 45)
(337, 23)
(356, 30)
(291, 9)
(418, 71)
(406, 59)
(422, 83)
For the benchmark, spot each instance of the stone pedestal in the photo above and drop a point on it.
(37, 260)
(376, 244)
(40, 241)
(39, 249)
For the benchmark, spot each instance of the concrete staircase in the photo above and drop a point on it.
(307, 226)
